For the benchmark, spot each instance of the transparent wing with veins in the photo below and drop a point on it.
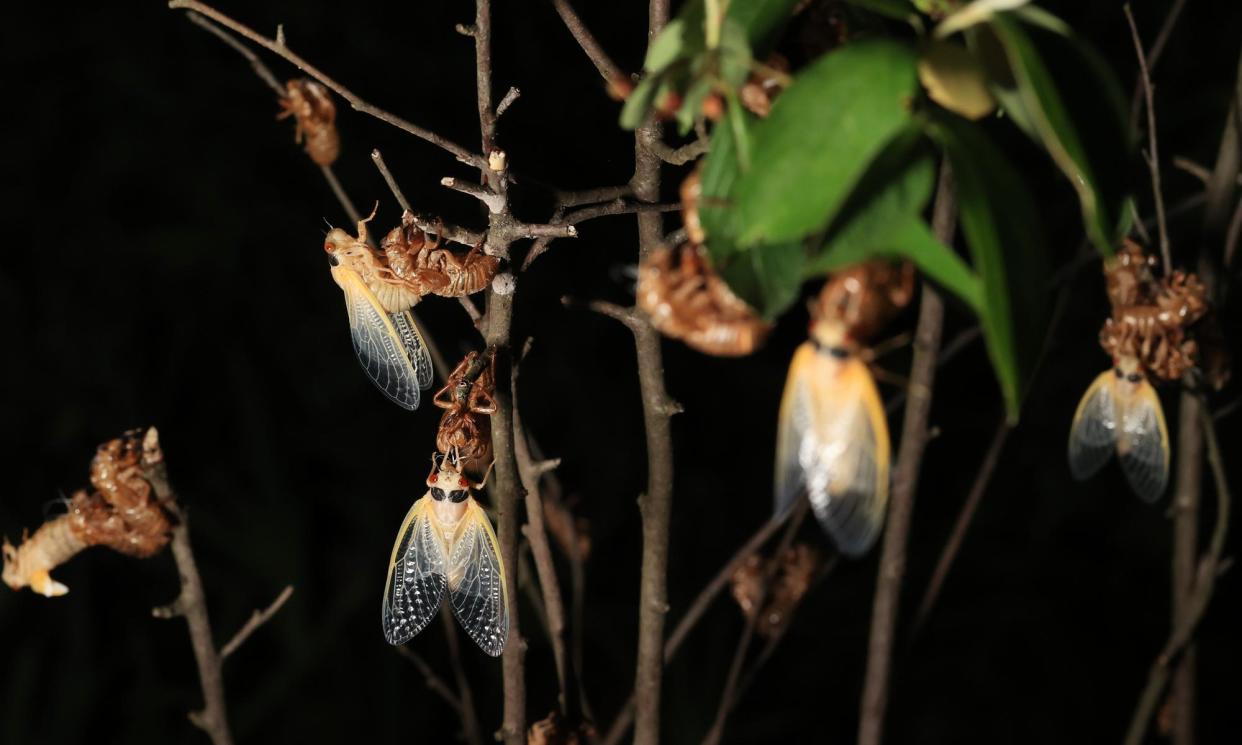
(416, 576)
(393, 355)
(476, 582)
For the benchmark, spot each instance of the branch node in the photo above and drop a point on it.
(495, 202)
(504, 283)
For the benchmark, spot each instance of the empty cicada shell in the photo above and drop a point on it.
(468, 403)
(438, 269)
(793, 576)
(310, 104)
(685, 299)
(123, 514)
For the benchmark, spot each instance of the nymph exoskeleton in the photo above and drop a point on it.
(435, 269)
(310, 104)
(465, 425)
(446, 543)
(386, 338)
(832, 438)
(1147, 339)
(684, 297)
(123, 514)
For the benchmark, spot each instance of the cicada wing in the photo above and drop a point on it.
(477, 588)
(381, 348)
(416, 576)
(1093, 435)
(833, 441)
(415, 347)
(1143, 442)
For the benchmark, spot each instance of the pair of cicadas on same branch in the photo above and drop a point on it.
(1149, 338)
(446, 543)
(123, 513)
(382, 285)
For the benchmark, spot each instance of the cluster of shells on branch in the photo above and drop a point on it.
(123, 513)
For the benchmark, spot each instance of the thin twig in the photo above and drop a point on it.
(579, 197)
(1153, 57)
(576, 217)
(914, 437)
(694, 613)
(260, 69)
(449, 232)
(1197, 603)
(727, 695)
(964, 517)
(1153, 156)
(257, 619)
(278, 46)
(618, 82)
(435, 684)
(678, 156)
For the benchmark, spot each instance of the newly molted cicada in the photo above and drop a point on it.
(309, 103)
(686, 299)
(434, 269)
(123, 514)
(385, 335)
(446, 543)
(1147, 339)
(468, 403)
(833, 439)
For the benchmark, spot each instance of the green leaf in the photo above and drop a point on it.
(1065, 97)
(668, 46)
(998, 216)
(762, 20)
(821, 135)
(639, 102)
(735, 57)
(898, 10)
(768, 278)
(721, 170)
(882, 219)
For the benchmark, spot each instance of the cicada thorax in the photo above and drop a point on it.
(393, 292)
(311, 106)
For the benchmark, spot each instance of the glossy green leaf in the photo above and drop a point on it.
(1065, 97)
(767, 277)
(639, 102)
(998, 216)
(668, 46)
(882, 220)
(721, 170)
(821, 135)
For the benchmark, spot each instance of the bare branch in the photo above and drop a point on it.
(265, 74)
(575, 198)
(678, 156)
(619, 84)
(434, 683)
(615, 207)
(496, 203)
(964, 517)
(1153, 161)
(914, 437)
(1153, 56)
(436, 227)
(257, 619)
(469, 719)
(507, 101)
(278, 47)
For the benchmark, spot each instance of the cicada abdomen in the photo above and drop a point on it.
(832, 438)
(446, 545)
(311, 106)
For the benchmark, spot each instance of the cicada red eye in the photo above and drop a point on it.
(461, 481)
(432, 479)
(328, 247)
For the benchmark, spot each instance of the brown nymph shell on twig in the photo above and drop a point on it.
(468, 403)
(686, 299)
(310, 104)
(554, 730)
(430, 267)
(796, 571)
(123, 513)
(1151, 317)
(860, 300)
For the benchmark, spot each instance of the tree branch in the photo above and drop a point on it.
(619, 84)
(449, 232)
(615, 207)
(914, 438)
(964, 517)
(678, 156)
(278, 46)
(257, 619)
(434, 682)
(465, 697)
(1153, 159)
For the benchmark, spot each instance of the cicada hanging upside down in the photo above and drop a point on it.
(832, 438)
(1147, 338)
(386, 338)
(686, 299)
(310, 104)
(446, 544)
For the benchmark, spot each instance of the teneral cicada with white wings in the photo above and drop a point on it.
(385, 336)
(832, 439)
(446, 545)
(1147, 338)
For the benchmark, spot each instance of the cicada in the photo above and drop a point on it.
(468, 403)
(385, 335)
(446, 544)
(832, 439)
(1147, 338)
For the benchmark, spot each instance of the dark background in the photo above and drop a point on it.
(163, 267)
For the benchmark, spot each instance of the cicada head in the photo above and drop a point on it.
(1130, 374)
(446, 479)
